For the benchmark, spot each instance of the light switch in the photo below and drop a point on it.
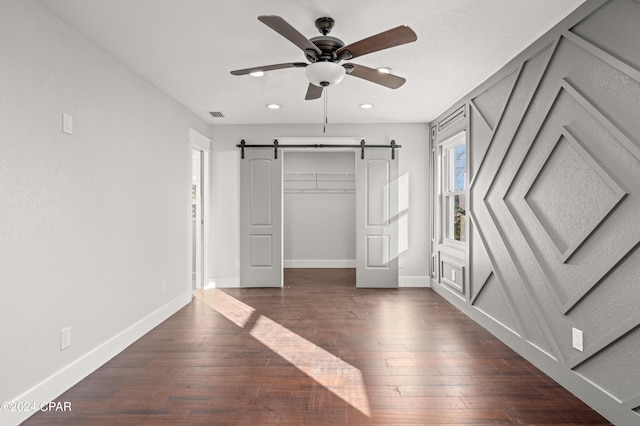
(67, 124)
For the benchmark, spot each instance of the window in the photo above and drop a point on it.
(454, 187)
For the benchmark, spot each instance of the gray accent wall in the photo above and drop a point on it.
(553, 176)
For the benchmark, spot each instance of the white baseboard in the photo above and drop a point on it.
(234, 282)
(414, 282)
(62, 380)
(319, 263)
(223, 282)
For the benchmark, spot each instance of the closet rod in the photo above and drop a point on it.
(393, 146)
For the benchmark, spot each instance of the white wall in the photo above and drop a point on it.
(90, 223)
(225, 184)
(319, 227)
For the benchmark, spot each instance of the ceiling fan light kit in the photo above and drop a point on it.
(323, 74)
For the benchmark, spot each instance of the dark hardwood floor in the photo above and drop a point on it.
(318, 351)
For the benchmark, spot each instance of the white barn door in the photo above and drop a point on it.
(376, 220)
(261, 219)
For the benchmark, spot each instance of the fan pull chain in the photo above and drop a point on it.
(324, 128)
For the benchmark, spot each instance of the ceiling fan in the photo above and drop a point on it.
(324, 53)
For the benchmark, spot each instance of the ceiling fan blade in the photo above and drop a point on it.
(313, 92)
(282, 27)
(388, 80)
(390, 38)
(270, 68)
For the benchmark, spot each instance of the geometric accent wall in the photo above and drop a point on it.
(554, 185)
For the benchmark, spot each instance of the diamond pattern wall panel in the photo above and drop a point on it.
(571, 194)
(555, 201)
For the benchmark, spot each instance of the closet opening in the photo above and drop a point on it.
(319, 216)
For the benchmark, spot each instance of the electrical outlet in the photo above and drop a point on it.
(453, 275)
(67, 124)
(163, 287)
(65, 338)
(577, 339)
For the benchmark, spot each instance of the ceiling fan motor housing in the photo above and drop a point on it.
(328, 45)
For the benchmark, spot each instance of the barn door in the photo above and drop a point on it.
(376, 220)
(261, 219)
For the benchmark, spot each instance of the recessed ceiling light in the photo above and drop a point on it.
(256, 74)
(384, 70)
(273, 106)
(366, 106)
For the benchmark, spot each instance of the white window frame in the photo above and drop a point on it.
(447, 190)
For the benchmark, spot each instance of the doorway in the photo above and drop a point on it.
(199, 151)
(319, 209)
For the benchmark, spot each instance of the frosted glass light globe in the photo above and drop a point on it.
(324, 74)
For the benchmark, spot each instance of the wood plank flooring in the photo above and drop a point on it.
(318, 352)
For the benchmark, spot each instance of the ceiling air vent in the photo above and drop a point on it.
(216, 114)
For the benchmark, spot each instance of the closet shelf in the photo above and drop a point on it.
(319, 183)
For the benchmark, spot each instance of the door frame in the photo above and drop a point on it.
(202, 143)
(353, 151)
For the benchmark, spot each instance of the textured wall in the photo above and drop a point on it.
(554, 177)
(91, 223)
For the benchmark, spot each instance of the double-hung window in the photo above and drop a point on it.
(454, 188)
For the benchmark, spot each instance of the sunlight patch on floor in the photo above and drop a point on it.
(235, 311)
(336, 375)
(339, 377)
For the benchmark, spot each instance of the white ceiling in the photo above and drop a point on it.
(188, 47)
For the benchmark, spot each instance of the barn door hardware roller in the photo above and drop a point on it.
(362, 146)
